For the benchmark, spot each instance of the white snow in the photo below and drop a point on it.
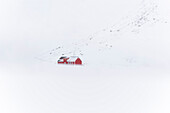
(72, 58)
(124, 46)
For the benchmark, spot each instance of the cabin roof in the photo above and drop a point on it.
(60, 60)
(72, 58)
(63, 57)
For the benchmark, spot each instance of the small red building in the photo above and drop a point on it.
(63, 60)
(70, 60)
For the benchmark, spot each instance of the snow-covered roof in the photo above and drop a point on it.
(72, 58)
(60, 60)
(63, 57)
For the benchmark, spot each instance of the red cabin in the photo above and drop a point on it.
(63, 60)
(70, 60)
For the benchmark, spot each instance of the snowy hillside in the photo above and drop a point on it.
(124, 46)
(136, 39)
